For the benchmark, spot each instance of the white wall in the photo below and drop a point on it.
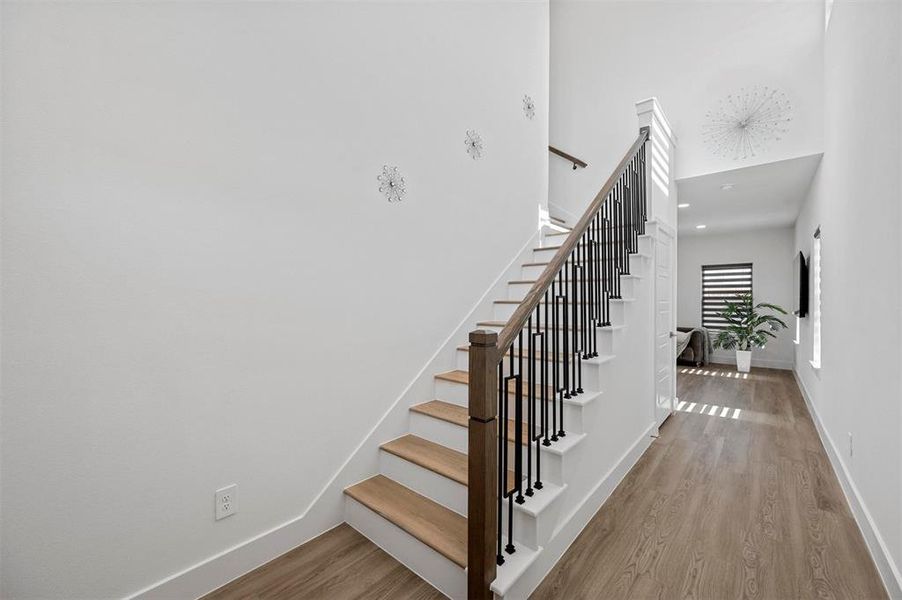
(606, 55)
(201, 282)
(770, 251)
(855, 199)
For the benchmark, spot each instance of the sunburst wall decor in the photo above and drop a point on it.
(475, 147)
(529, 107)
(746, 123)
(391, 184)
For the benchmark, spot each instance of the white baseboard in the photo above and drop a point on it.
(890, 575)
(562, 213)
(574, 523)
(326, 510)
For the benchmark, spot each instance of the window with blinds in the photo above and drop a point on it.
(721, 283)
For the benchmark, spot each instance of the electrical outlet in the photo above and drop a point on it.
(226, 501)
(850, 444)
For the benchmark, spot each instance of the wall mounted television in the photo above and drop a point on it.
(800, 286)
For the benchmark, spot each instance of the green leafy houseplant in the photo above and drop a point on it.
(748, 326)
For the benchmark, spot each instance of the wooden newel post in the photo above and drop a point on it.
(482, 499)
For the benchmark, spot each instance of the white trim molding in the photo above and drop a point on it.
(889, 574)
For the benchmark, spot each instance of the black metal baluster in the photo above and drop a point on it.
(540, 347)
(530, 402)
(504, 425)
(584, 290)
(634, 241)
(549, 298)
(643, 182)
(615, 219)
(606, 262)
(624, 225)
(566, 327)
(635, 206)
(574, 330)
(590, 286)
(518, 422)
(596, 280)
(631, 248)
(555, 286)
(502, 468)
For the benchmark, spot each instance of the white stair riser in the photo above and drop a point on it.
(549, 245)
(438, 431)
(438, 488)
(595, 375)
(453, 495)
(443, 574)
(456, 393)
(504, 311)
(638, 264)
(518, 291)
(606, 343)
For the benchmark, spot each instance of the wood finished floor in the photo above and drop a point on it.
(722, 507)
(717, 508)
(338, 565)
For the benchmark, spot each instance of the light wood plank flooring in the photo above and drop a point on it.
(722, 507)
(340, 564)
(731, 505)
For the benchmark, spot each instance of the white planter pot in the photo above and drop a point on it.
(743, 361)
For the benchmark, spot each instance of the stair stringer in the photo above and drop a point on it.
(619, 427)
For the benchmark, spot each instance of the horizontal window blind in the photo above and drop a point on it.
(721, 283)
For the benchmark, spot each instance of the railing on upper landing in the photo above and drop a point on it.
(525, 372)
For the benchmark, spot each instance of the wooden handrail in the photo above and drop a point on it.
(576, 162)
(515, 324)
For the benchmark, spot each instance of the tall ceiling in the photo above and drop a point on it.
(606, 55)
(768, 195)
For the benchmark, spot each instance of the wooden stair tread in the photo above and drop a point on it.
(441, 529)
(435, 457)
(445, 411)
(457, 414)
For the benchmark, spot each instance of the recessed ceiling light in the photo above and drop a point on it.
(727, 187)
(700, 226)
(684, 205)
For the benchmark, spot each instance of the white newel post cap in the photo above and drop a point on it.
(662, 197)
(651, 115)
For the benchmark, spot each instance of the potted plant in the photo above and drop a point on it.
(747, 327)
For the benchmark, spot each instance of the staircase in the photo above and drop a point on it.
(548, 394)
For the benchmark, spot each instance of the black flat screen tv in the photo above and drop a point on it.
(800, 286)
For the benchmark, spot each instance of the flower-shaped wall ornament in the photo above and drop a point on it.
(529, 107)
(391, 184)
(746, 123)
(475, 147)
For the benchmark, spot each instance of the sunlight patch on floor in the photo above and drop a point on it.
(710, 373)
(712, 410)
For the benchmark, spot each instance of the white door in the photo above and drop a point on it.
(665, 343)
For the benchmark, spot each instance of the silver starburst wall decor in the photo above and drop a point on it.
(744, 124)
(391, 184)
(475, 147)
(529, 107)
